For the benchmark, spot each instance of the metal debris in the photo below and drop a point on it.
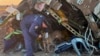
(97, 10)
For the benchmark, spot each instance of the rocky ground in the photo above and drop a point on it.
(41, 53)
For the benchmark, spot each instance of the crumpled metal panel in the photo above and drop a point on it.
(97, 10)
(85, 5)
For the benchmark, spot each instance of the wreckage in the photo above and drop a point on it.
(75, 17)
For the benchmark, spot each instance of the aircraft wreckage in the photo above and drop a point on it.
(71, 22)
